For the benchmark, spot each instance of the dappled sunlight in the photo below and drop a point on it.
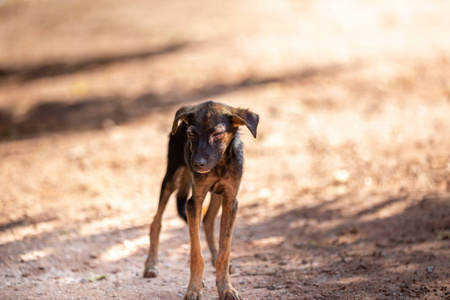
(273, 240)
(36, 254)
(386, 210)
(128, 247)
(124, 249)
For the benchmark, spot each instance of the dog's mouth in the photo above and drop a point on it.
(202, 171)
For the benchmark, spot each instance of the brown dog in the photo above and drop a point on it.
(205, 152)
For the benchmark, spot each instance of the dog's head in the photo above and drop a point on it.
(211, 126)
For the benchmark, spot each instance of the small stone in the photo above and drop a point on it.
(341, 176)
(298, 245)
(258, 286)
(283, 263)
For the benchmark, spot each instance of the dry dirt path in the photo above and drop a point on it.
(346, 192)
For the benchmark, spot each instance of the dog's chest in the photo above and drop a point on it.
(220, 178)
(217, 188)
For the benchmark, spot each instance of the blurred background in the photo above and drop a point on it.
(346, 189)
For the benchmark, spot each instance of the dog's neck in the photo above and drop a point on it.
(232, 158)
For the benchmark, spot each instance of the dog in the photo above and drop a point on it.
(205, 153)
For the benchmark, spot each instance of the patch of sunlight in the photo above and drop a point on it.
(269, 241)
(274, 141)
(300, 223)
(36, 254)
(99, 226)
(388, 211)
(351, 279)
(124, 249)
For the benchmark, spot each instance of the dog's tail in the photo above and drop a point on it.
(184, 187)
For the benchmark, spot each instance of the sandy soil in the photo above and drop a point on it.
(346, 193)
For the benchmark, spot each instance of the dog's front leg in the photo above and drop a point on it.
(229, 211)
(194, 211)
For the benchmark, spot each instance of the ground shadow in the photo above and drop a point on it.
(388, 256)
(85, 114)
(308, 263)
(95, 113)
(62, 239)
(54, 69)
(26, 221)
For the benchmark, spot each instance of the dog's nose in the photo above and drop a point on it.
(201, 163)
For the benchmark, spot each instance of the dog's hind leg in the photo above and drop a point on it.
(168, 186)
(208, 224)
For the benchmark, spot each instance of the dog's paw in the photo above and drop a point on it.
(192, 295)
(230, 294)
(150, 272)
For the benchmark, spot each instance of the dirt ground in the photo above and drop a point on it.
(346, 190)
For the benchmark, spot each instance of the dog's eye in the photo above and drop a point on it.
(218, 134)
(190, 134)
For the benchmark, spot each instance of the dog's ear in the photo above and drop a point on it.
(245, 117)
(182, 114)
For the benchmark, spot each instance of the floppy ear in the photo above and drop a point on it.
(182, 114)
(245, 117)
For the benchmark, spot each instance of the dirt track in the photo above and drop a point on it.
(346, 193)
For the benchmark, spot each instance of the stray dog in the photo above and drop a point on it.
(205, 152)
